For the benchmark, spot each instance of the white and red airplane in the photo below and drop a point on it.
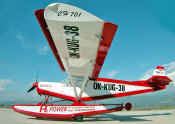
(80, 42)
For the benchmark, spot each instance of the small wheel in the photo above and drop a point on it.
(78, 118)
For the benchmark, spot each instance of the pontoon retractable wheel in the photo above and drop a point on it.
(78, 118)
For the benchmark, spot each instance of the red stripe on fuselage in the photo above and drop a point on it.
(135, 83)
(40, 91)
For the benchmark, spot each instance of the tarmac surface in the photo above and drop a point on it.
(8, 116)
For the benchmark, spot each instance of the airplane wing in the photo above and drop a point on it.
(79, 40)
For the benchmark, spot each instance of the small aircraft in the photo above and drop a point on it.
(80, 42)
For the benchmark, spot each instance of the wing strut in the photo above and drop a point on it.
(72, 81)
(85, 80)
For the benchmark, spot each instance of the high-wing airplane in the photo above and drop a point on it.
(80, 42)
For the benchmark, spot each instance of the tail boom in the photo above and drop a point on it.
(126, 88)
(129, 88)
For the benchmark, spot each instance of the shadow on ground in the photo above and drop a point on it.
(111, 117)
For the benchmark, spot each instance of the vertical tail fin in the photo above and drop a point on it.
(159, 71)
(159, 77)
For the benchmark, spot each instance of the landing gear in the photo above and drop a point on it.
(78, 118)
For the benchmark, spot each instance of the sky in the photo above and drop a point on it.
(145, 38)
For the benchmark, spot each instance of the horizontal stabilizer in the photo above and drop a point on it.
(160, 80)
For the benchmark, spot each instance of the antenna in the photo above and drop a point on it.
(37, 74)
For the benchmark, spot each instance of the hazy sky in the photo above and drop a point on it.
(145, 38)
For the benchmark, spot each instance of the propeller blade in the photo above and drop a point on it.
(32, 88)
(35, 84)
(37, 75)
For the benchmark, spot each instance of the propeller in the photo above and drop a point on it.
(35, 84)
(32, 88)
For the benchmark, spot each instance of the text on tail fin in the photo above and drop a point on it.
(159, 71)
